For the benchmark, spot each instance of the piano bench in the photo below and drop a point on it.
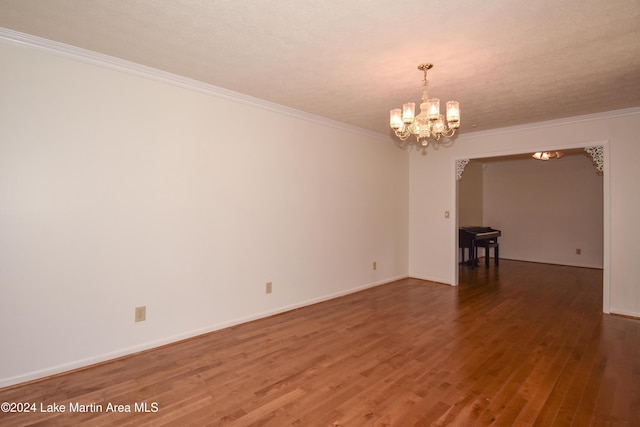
(488, 244)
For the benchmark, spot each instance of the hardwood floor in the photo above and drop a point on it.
(520, 344)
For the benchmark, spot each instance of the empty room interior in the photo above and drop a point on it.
(363, 213)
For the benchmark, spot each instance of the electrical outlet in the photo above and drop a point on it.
(578, 251)
(268, 287)
(141, 313)
(375, 265)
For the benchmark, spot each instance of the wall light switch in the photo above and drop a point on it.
(446, 214)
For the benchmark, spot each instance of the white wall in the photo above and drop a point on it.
(117, 190)
(546, 209)
(432, 237)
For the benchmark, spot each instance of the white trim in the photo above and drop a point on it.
(550, 123)
(454, 220)
(117, 64)
(132, 68)
(626, 313)
(431, 279)
(520, 150)
(606, 223)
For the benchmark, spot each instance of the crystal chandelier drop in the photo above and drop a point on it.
(429, 123)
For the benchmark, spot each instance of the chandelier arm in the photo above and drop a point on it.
(449, 132)
(403, 135)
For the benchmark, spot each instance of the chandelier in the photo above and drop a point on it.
(429, 123)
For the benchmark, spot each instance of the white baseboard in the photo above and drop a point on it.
(431, 279)
(625, 313)
(87, 362)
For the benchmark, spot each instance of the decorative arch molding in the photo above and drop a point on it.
(460, 165)
(597, 154)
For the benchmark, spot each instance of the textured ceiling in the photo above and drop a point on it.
(507, 62)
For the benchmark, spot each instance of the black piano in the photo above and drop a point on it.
(472, 238)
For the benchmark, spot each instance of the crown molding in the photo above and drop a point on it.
(143, 71)
(552, 123)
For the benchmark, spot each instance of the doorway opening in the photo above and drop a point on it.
(522, 154)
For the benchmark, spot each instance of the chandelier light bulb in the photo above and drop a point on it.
(408, 112)
(453, 112)
(395, 119)
(433, 108)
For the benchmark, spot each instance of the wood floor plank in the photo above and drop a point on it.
(516, 344)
